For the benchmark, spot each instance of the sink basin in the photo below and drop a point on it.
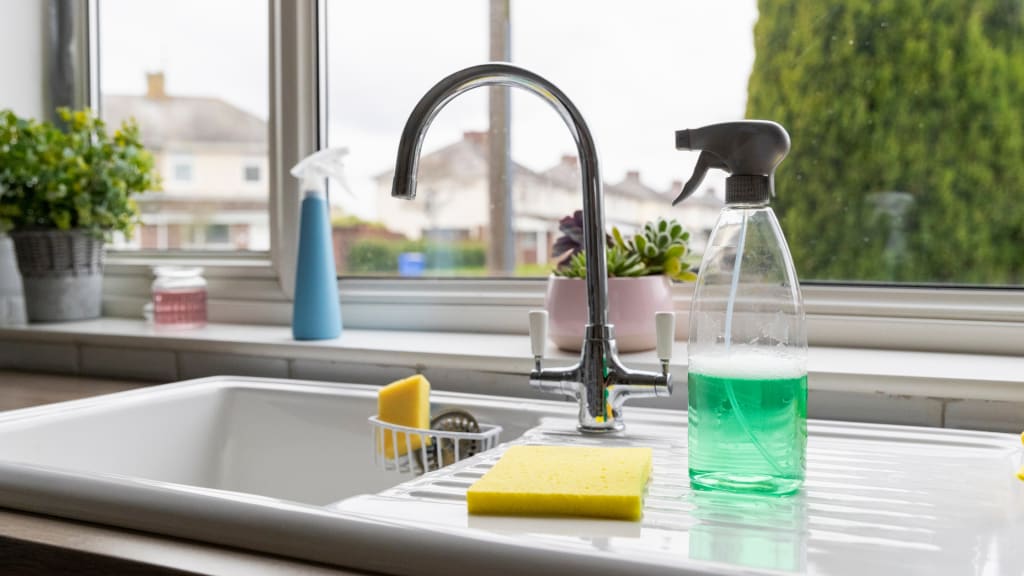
(245, 462)
(287, 467)
(298, 441)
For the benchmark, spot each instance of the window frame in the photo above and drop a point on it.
(256, 288)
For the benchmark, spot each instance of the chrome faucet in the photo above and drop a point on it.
(598, 381)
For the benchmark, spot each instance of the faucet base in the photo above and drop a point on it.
(615, 426)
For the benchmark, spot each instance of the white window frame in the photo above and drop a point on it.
(257, 288)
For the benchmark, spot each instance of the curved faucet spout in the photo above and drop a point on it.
(500, 73)
(598, 381)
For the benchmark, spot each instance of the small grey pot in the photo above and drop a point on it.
(62, 273)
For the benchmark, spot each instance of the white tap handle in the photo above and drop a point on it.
(665, 326)
(538, 332)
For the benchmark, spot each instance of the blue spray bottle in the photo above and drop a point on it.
(316, 314)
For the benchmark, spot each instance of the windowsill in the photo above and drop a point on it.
(939, 376)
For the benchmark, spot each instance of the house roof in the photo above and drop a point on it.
(704, 198)
(170, 122)
(464, 160)
(565, 174)
(633, 187)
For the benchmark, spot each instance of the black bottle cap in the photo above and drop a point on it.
(749, 150)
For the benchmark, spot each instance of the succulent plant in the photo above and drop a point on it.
(660, 248)
(621, 264)
(570, 243)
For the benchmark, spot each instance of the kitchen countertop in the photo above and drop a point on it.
(24, 389)
(36, 544)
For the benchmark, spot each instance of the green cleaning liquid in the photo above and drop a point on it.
(747, 432)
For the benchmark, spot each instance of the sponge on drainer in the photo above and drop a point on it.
(595, 482)
(1020, 473)
(404, 402)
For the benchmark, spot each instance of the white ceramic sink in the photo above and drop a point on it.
(298, 441)
(287, 468)
(246, 462)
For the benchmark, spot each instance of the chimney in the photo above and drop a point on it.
(569, 160)
(633, 175)
(676, 187)
(155, 86)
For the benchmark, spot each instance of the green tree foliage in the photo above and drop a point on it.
(921, 97)
(380, 256)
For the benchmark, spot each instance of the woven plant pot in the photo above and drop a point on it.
(62, 273)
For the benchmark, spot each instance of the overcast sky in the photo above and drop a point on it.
(637, 69)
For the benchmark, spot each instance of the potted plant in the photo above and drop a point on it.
(62, 194)
(640, 271)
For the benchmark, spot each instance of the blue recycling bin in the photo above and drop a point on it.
(411, 264)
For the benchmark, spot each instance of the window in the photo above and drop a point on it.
(649, 74)
(193, 74)
(182, 170)
(901, 167)
(217, 234)
(251, 173)
(639, 45)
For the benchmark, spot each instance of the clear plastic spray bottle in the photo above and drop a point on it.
(748, 338)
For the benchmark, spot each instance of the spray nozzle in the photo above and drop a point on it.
(749, 150)
(316, 168)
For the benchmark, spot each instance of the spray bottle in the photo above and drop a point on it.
(748, 336)
(316, 314)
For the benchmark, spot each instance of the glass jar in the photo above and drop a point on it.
(179, 297)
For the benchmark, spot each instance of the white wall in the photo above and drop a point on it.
(22, 56)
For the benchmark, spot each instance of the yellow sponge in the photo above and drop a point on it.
(564, 481)
(406, 403)
(1020, 472)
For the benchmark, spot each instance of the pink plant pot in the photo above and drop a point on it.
(632, 303)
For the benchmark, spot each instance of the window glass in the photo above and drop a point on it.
(217, 234)
(370, 97)
(181, 170)
(252, 173)
(905, 117)
(193, 74)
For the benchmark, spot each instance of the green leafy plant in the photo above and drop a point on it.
(81, 177)
(660, 248)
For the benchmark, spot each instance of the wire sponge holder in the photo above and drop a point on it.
(417, 451)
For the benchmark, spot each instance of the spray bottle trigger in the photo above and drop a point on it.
(705, 162)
